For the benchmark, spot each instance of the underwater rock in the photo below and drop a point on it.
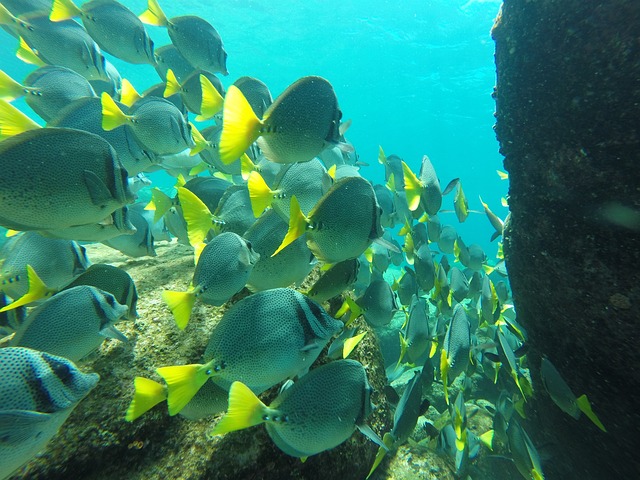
(96, 442)
(567, 109)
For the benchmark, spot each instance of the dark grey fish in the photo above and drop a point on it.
(88, 189)
(169, 57)
(112, 280)
(425, 268)
(378, 303)
(136, 245)
(335, 280)
(194, 37)
(72, 323)
(38, 392)
(56, 262)
(407, 286)
(66, 43)
(115, 28)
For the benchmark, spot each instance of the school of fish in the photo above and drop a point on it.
(267, 189)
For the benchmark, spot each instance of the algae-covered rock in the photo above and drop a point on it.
(96, 442)
(568, 105)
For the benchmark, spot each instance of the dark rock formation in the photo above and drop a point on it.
(568, 122)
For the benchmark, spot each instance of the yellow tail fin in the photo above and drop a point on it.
(199, 140)
(259, 192)
(444, 374)
(160, 202)
(239, 126)
(245, 410)
(146, 396)
(13, 121)
(487, 439)
(63, 10)
(412, 187)
(183, 382)
(297, 225)
(37, 290)
(354, 309)
(332, 171)
(112, 116)
(9, 88)
(212, 101)
(382, 158)
(585, 407)
(128, 93)
(180, 304)
(246, 166)
(388, 441)
(27, 55)
(173, 85)
(351, 343)
(154, 15)
(403, 349)
(197, 216)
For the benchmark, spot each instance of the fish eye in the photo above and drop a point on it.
(248, 244)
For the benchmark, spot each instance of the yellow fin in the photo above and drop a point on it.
(351, 343)
(212, 101)
(160, 202)
(403, 349)
(112, 116)
(183, 382)
(37, 290)
(245, 410)
(355, 310)
(128, 93)
(444, 374)
(199, 140)
(487, 439)
(197, 251)
(198, 169)
(259, 192)
(246, 166)
(154, 15)
(412, 187)
(196, 214)
(502, 175)
(172, 86)
(180, 181)
(27, 55)
(332, 171)
(434, 348)
(9, 88)
(388, 441)
(536, 475)
(391, 182)
(11, 233)
(585, 407)
(180, 304)
(297, 225)
(240, 126)
(146, 396)
(382, 158)
(504, 202)
(13, 121)
(63, 10)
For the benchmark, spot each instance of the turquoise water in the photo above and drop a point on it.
(415, 77)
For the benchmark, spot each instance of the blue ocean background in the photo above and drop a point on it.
(415, 77)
